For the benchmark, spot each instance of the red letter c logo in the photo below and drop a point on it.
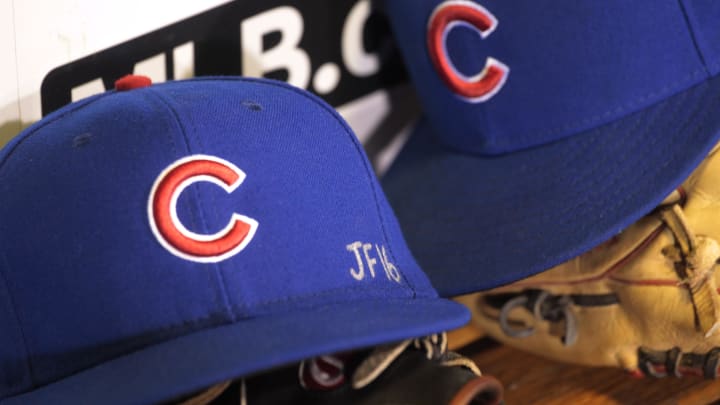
(444, 18)
(173, 235)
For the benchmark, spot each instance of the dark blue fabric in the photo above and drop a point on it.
(14, 369)
(478, 223)
(607, 107)
(703, 16)
(83, 280)
(573, 65)
(195, 361)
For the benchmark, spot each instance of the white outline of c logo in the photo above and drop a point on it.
(444, 18)
(169, 230)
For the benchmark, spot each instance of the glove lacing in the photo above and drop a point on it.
(551, 308)
(435, 347)
(695, 257)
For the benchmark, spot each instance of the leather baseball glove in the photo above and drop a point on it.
(646, 300)
(413, 372)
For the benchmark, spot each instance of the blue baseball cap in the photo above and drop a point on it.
(548, 126)
(159, 240)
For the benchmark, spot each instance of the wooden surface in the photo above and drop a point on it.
(529, 379)
(462, 337)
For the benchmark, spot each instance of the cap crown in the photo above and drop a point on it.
(497, 76)
(135, 217)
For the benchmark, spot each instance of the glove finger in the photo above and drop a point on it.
(483, 390)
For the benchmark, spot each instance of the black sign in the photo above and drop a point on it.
(339, 49)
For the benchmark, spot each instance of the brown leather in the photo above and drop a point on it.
(649, 293)
(481, 390)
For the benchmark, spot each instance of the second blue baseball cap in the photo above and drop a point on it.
(159, 240)
(549, 126)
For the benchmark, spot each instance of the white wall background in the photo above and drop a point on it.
(49, 33)
(9, 108)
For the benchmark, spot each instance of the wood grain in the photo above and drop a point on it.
(530, 379)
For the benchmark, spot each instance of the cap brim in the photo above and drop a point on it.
(475, 223)
(193, 362)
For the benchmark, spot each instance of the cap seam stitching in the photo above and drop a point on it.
(315, 99)
(328, 292)
(597, 119)
(693, 35)
(624, 197)
(630, 104)
(221, 323)
(697, 126)
(23, 338)
(633, 129)
(370, 174)
(16, 144)
(161, 342)
(696, 118)
(203, 222)
(218, 265)
(666, 163)
(137, 347)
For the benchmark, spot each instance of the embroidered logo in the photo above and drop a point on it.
(446, 16)
(169, 230)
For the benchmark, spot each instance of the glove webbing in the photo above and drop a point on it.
(695, 258)
(674, 362)
(435, 347)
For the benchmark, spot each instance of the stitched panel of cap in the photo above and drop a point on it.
(702, 17)
(200, 210)
(15, 363)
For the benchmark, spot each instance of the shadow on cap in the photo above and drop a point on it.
(548, 127)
